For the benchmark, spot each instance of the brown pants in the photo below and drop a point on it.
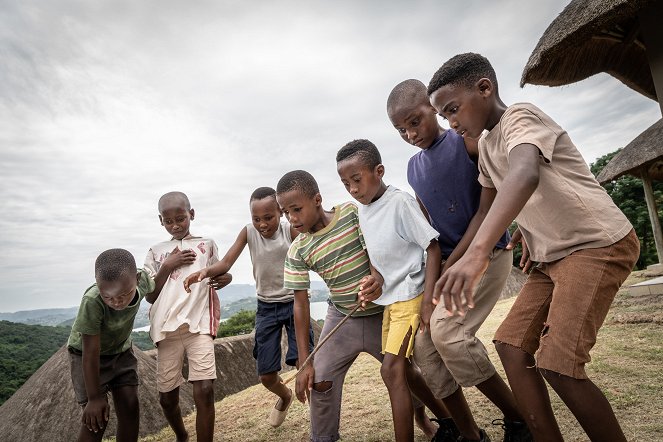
(564, 303)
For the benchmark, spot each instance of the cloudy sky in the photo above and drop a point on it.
(106, 105)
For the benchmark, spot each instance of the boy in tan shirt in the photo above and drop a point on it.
(584, 245)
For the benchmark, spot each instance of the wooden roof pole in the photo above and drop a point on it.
(653, 213)
(652, 34)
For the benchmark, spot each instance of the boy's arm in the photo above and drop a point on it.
(517, 238)
(423, 208)
(370, 286)
(96, 411)
(433, 260)
(302, 311)
(174, 261)
(520, 182)
(220, 267)
(485, 202)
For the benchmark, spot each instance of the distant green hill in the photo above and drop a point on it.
(23, 349)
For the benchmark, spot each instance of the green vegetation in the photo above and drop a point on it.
(23, 349)
(241, 323)
(142, 340)
(628, 194)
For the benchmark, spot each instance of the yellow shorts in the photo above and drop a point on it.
(399, 319)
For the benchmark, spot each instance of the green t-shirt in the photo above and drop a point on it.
(114, 326)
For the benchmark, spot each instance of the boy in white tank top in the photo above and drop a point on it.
(268, 239)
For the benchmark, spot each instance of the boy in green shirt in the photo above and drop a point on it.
(100, 346)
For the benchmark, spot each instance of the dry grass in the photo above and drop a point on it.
(626, 366)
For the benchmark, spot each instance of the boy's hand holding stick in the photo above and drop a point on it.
(370, 288)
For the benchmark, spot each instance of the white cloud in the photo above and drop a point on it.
(106, 105)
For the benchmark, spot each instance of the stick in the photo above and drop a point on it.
(321, 343)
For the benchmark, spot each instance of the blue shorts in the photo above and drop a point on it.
(271, 317)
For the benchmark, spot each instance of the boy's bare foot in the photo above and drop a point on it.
(424, 423)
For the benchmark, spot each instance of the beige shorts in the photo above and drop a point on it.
(199, 350)
(450, 354)
(399, 319)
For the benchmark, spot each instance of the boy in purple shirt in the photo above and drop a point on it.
(444, 175)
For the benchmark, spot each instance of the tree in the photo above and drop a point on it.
(628, 194)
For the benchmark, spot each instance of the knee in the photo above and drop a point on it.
(391, 373)
(169, 401)
(323, 387)
(203, 391)
(269, 379)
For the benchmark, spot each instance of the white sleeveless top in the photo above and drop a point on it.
(267, 257)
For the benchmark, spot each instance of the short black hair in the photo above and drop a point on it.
(364, 149)
(298, 180)
(112, 264)
(174, 196)
(262, 192)
(463, 69)
(406, 93)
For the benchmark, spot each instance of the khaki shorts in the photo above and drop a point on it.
(450, 355)
(399, 319)
(563, 304)
(199, 350)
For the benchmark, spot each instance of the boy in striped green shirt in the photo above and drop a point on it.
(331, 244)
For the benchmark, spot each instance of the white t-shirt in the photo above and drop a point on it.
(397, 234)
(174, 306)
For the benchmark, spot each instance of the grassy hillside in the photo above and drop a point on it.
(626, 365)
(23, 348)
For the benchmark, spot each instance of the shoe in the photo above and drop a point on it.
(446, 431)
(514, 431)
(483, 437)
(276, 417)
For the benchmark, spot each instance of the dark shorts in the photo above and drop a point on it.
(114, 371)
(562, 305)
(271, 317)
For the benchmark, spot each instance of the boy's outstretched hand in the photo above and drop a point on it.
(304, 383)
(194, 278)
(517, 237)
(456, 285)
(370, 288)
(96, 414)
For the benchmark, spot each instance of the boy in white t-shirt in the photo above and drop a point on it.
(180, 322)
(396, 236)
(268, 238)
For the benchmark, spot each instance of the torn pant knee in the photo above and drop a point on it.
(323, 387)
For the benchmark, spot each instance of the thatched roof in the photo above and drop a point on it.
(592, 36)
(45, 409)
(646, 150)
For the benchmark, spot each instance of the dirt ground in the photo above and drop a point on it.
(627, 364)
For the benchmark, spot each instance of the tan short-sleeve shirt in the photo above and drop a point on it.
(569, 210)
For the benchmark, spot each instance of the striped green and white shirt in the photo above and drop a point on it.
(338, 254)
